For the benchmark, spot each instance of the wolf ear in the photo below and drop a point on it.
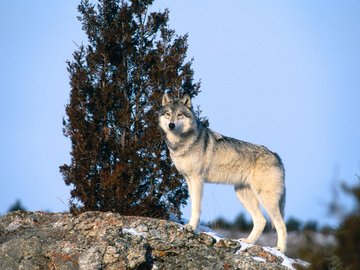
(186, 100)
(166, 99)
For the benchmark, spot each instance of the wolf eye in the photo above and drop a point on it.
(167, 114)
(180, 114)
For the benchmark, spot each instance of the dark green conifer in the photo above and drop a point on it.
(119, 161)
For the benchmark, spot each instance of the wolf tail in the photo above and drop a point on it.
(281, 206)
(282, 203)
(283, 195)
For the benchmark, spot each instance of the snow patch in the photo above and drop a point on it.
(244, 246)
(259, 259)
(131, 231)
(201, 229)
(214, 235)
(287, 262)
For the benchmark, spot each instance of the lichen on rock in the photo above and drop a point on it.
(109, 241)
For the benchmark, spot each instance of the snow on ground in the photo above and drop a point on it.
(287, 262)
(131, 231)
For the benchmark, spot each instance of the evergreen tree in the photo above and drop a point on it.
(119, 161)
(16, 206)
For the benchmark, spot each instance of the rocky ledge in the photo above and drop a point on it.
(96, 240)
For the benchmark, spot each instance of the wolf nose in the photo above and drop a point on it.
(171, 125)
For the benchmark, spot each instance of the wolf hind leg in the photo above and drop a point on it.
(251, 204)
(272, 207)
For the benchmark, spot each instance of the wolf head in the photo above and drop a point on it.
(176, 115)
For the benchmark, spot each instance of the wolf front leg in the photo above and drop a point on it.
(195, 185)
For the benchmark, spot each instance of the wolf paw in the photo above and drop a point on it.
(189, 228)
(246, 240)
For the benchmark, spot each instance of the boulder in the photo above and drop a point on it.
(109, 241)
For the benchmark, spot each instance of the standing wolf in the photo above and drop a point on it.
(202, 155)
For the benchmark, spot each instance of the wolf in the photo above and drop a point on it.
(204, 156)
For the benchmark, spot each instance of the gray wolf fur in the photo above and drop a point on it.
(202, 155)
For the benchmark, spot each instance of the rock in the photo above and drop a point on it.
(108, 241)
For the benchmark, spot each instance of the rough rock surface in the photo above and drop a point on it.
(95, 240)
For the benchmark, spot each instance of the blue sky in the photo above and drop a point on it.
(285, 74)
